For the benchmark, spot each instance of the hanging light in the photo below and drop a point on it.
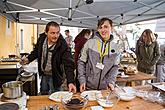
(91, 1)
(70, 14)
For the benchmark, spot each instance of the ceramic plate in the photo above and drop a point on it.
(57, 96)
(91, 94)
(26, 74)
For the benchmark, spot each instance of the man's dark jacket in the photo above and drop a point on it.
(61, 57)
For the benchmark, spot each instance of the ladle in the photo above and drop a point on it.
(108, 97)
(120, 88)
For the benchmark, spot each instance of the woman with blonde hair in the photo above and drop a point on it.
(147, 52)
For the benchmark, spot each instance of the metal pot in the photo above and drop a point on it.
(13, 89)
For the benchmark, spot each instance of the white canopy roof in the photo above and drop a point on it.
(82, 13)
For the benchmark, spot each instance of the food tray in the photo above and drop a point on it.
(160, 86)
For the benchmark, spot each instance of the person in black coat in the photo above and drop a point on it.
(54, 57)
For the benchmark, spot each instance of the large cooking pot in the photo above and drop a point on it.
(13, 89)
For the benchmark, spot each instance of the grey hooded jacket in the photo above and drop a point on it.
(94, 77)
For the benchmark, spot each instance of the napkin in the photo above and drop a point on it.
(97, 108)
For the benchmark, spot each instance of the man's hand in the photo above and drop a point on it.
(72, 88)
(82, 87)
(110, 87)
(24, 61)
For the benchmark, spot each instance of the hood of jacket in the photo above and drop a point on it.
(97, 34)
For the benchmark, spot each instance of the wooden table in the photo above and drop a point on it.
(38, 102)
(139, 76)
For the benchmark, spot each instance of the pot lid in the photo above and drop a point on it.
(9, 106)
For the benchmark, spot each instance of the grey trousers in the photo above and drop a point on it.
(160, 73)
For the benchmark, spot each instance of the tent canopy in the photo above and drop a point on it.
(82, 13)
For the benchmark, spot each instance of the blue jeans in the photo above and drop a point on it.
(47, 85)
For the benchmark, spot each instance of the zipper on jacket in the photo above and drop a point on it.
(102, 63)
(99, 80)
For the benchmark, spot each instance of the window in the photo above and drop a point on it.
(21, 41)
(8, 28)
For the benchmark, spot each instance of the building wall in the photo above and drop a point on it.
(10, 37)
(7, 38)
(29, 36)
(41, 29)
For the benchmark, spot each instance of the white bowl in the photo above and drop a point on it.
(126, 93)
(102, 96)
(91, 94)
(103, 102)
(126, 96)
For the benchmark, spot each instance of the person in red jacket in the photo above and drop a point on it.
(79, 41)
